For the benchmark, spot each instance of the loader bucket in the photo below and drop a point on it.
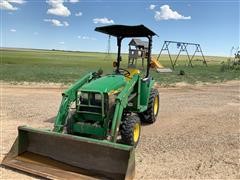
(59, 156)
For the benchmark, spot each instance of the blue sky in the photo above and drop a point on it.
(69, 25)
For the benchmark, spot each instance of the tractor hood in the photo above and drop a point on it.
(105, 84)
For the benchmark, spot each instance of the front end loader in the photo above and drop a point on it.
(98, 124)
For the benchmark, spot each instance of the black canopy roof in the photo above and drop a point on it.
(126, 31)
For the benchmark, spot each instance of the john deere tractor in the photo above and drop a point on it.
(98, 124)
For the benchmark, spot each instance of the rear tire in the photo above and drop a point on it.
(131, 130)
(150, 115)
(69, 126)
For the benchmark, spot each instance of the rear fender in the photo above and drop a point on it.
(145, 90)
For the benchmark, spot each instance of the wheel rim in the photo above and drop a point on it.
(155, 107)
(136, 132)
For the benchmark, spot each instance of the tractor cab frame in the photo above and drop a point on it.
(123, 31)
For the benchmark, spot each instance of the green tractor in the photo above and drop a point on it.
(98, 124)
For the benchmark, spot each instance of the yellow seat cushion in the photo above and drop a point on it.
(132, 71)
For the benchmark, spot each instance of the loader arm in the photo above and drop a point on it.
(68, 97)
(121, 103)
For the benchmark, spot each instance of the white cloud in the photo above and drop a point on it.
(7, 4)
(16, 1)
(87, 38)
(73, 1)
(13, 30)
(167, 13)
(65, 23)
(57, 8)
(79, 14)
(103, 21)
(61, 42)
(152, 6)
(56, 22)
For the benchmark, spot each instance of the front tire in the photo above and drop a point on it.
(130, 130)
(150, 115)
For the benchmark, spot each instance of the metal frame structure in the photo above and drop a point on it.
(183, 48)
(109, 44)
(108, 49)
(133, 53)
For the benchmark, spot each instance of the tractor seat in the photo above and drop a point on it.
(132, 71)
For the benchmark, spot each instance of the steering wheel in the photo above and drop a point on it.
(124, 72)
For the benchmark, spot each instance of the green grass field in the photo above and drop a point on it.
(66, 67)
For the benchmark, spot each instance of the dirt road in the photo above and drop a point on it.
(196, 135)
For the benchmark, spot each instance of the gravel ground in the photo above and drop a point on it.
(196, 135)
